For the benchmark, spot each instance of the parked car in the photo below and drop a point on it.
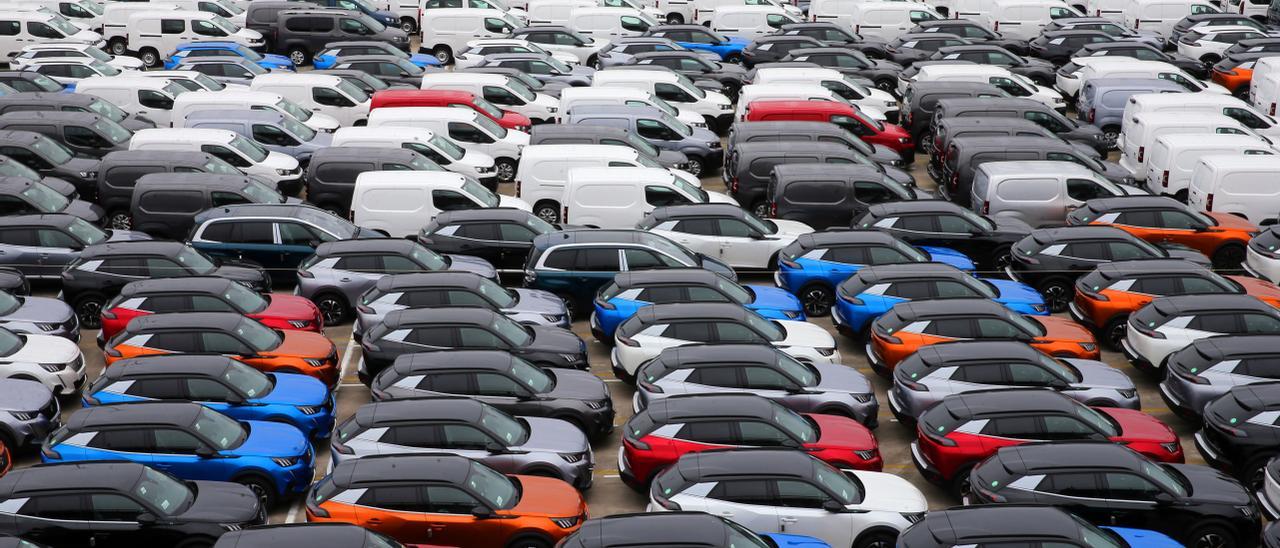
(665, 528)
(31, 412)
(502, 236)
(55, 362)
(203, 48)
(24, 196)
(1220, 236)
(1169, 324)
(944, 224)
(40, 245)
(827, 196)
(206, 294)
(988, 522)
(736, 237)
(451, 289)
(1207, 369)
(333, 51)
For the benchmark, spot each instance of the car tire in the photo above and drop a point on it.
(696, 166)
(150, 57)
(1229, 257)
(299, 56)
(959, 486)
(548, 211)
(734, 58)
(120, 219)
(817, 299)
(1110, 133)
(1000, 258)
(1057, 292)
(1114, 331)
(1210, 59)
(118, 47)
(443, 54)
(529, 542)
(760, 209)
(408, 26)
(1254, 474)
(1212, 536)
(506, 169)
(1242, 92)
(675, 19)
(333, 307)
(261, 487)
(877, 539)
(89, 311)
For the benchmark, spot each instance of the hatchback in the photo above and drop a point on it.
(23, 195)
(675, 529)
(631, 291)
(937, 371)
(909, 326)
(28, 412)
(815, 264)
(126, 502)
(502, 236)
(654, 328)
(450, 289)
(1208, 368)
(532, 446)
(658, 435)
(1158, 219)
(1169, 324)
(41, 245)
(222, 384)
(759, 487)
(829, 389)
(1262, 257)
(341, 271)
(206, 294)
(1107, 483)
(964, 429)
(1239, 435)
(446, 499)
(199, 49)
(333, 51)
(736, 236)
(504, 381)
(700, 38)
(939, 223)
(55, 362)
(190, 441)
(230, 334)
(995, 523)
(38, 316)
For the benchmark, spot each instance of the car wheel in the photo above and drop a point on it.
(1213, 536)
(548, 211)
(879, 539)
(734, 58)
(1210, 59)
(695, 166)
(118, 47)
(675, 19)
(1242, 92)
(506, 168)
(1001, 259)
(760, 209)
(1229, 257)
(1111, 133)
(333, 307)
(408, 26)
(299, 56)
(1057, 293)
(1255, 474)
(150, 57)
(89, 311)
(261, 488)
(120, 220)
(1115, 331)
(1181, 195)
(817, 300)
(886, 85)
(443, 54)
(960, 484)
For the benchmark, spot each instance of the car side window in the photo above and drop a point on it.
(981, 373)
(916, 223)
(598, 260)
(705, 227)
(492, 384)
(960, 328)
(1058, 427)
(1177, 220)
(132, 441)
(123, 267)
(638, 259)
(448, 383)
(994, 328)
(725, 377)
(847, 255)
(173, 441)
(206, 390)
(715, 432)
(396, 499)
(1127, 486)
(161, 389)
(1084, 190)
(705, 295)
(1260, 323)
(393, 264)
(763, 378)
(910, 290)
(449, 500)
(1013, 427)
(440, 337)
(659, 196)
(62, 507)
(448, 200)
(112, 507)
(515, 233)
(798, 494)
(562, 259)
(359, 263)
(221, 343)
(17, 236)
(56, 238)
(661, 295)
(1215, 323)
(743, 492)
(413, 435)
(1082, 485)
(461, 436)
(760, 433)
(474, 337)
(729, 332)
(689, 331)
(1095, 251)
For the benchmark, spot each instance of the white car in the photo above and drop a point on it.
(70, 70)
(1169, 324)
(72, 50)
(810, 497)
(556, 38)
(656, 327)
(55, 362)
(1262, 258)
(477, 49)
(725, 232)
(1207, 43)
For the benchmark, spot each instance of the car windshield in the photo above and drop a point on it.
(802, 373)
(846, 491)
(447, 147)
(1149, 247)
(430, 260)
(1026, 325)
(260, 337)
(44, 198)
(85, 232)
(421, 163)
(44, 82)
(112, 131)
(535, 379)
(496, 489)
(97, 54)
(1060, 368)
(298, 129)
(1094, 537)
(252, 150)
(162, 492)
(1165, 477)
(196, 261)
(857, 86)
(642, 145)
(486, 107)
(680, 127)
(479, 192)
(262, 194)
(1097, 420)
(223, 24)
(519, 88)
(647, 161)
(11, 168)
(768, 328)
(220, 166)
(376, 27)
(794, 424)
(510, 330)
(8, 303)
(688, 189)
(294, 110)
(491, 127)
(106, 109)
(915, 254)
(173, 89)
(739, 294)
(341, 228)
(220, 430)
(538, 226)
(510, 430)
(63, 25)
(676, 251)
(246, 300)
(663, 105)
(50, 150)
(10, 342)
(374, 540)
(247, 380)
(500, 296)
(103, 68)
(205, 83)
(91, 7)
(356, 94)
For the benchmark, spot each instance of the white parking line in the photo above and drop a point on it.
(293, 513)
(345, 366)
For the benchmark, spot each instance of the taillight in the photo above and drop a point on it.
(48, 452)
(1208, 202)
(648, 386)
(1189, 376)
(986, 207)
(997, 29)
(635, 444)
(1164, 179)
(666, 503)
(857, 29)
(790, 263)
(733, 184)
(913, 385)
(314, 508)
(936, 437)
(111, 351)
(1142, 151)
(339, 447)
(773, 209)
(955, 180)
(1272, 110)
(989, 494)
(564, 217)
(364, 309)
(1146, 331)
(1097, 13)
(518, 186)
(851, 299)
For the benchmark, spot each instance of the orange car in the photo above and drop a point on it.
(1106, 297)
(1162, 220)
(448, 500)
(1234, 74)
(908, 326)
(232, 335)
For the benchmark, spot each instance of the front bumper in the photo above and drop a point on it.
(926, 468)
(1134, 358)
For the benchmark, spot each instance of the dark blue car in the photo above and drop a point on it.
(269, 61)
(699, 38)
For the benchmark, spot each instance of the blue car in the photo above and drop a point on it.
(699, 38)
(222, 384)
(630, 291)
(268, 61)
(1144, 538)
(873, 290)
(191, 442)
(813, 265)
(328, 57)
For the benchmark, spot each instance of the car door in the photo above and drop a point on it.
(1131, 500)
(20, 248)
(114, 521)
(1192, 328)
(698, 235)
(506, 393)
(740, 245)
(395, 511)
(54, 520)
(254, 240)
(449, 517)
(295, 243)
(210, 393)
(512, 246)
(174, 451)
(800, 512)
(1077, 492)
(749, 502)
(838, 263)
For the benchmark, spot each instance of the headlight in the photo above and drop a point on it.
(229, 527)
(308, 409)
(1247, 510)
(53, 367)
(552, 317)
(904, 139)
(24, 416)
(791, 315)
(1127, 393)
(726, 107)
(1170, 447)
(282, 172)
(826, 352)
(1088, 347)
(314, 362)
(1038, 307)
(569, 357)
(864, 398)
(47, 327)
(552, 110)
(596, 404)
(867, 454)
(283, 462)
(300, 324)
(913, 517)
(699, 124)
(573, 457)
(489, 169)
(565, 523)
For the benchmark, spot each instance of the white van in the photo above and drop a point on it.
(555, 12)
(153, 98)
(400, 203)
(1203, 103)
(1175, 156)
(1237, 184)
(1133, 68)
(446, 30)
(584, 96)
(1069, 82)
(115, 22)
(1264, 87)
(225, 9)
(751, 93)
(84, 13)
(1016, 85)
(257, 100)
(1161, 15)
(1110, 9)
(504, 91)
(244, 154)
(889, 20)
(543, 168)
(715, 108)
(620, 197)
(865, 97)
(438, 148)
(472, 130)
(23, 28)
(1141, 131)
(610, 23)
(973, 10)
(1024, 19)
(749, 22)
(703, 10)
(323, 93)
(153, 34)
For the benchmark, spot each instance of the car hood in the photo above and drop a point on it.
(1145, 538)
(882, 64)
(85, 210)
(949, 256)
(1261, 289)
(835, 431)
(46, 349)
(235, 271)
(1015, 292)
(1096, 374)
(556, 339)
(1011, 225)
(547, 497)
(513, 202)
(221, 502)
(302, 344)
(1138, 426)
(1211, 485)
(465, 263)
(271, 439)
(554, 436)
(61, 186)
(476, 159)
(514, 118)
(890, 492)
(1228, 221)
(1178, 251)
(24, 395)
(577, 385)
(296, 389)
(1063, 329)
(290, 307)
(841, 378)
(714, 197)
(279, 160)
(671, 158)
(790, 230)
(42, 310)
(114, 235)
(537, 301)
(767, 296)
(899, 175)
(804, 334)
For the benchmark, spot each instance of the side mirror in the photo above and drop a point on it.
(757, 236)
(495, 449)
(480, 512)
(235, 400)
(832, 506)
(1164, 498)
(793, 444)
(313, 243)
(146, 518)
(206, 453)
(1201, 228)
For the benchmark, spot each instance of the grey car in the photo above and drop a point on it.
(543, 67)
(534, 446)
(28, 413)
(759, 369)
(38, 316)
(224, 70)
(701, 145)
(368, 83)
(620, 51)
(940, 370)
(273, 130)
(1209, 368)
(391, 69)
(442, 289)
(40, 245)
(503, 381)
(22, 195)
(340, 272)
(564, 134)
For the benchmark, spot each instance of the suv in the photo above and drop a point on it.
(50, 159)
(341, 271)
(1220, 236)
(22, 195)
(996, 523)
(31, 411)
(1239, 436)
(739, 238)
(938, 223)
(206, 294)
(104, 268)
(1169, 324)
(673, 529)
(41, 245)
(501, 235)
(452, 289)
(1208, 368)
(302, 32)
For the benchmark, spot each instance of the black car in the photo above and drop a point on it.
(882, 74)
(1137, 50)
(1104, 482)
(502, 236)
(1051, 259)
(51, 159)
(13, 282)
(1038, 70)
(1239, 435)
(103, 269)
(911, 47)
(121, 504)
(995, 525)
(834, 35)
(29, 80)
(971, 31)
(986, 240)
(662, 529)
(696, 67)
(773, 48)
(297, 535)
(21, 195)
(1058, 46)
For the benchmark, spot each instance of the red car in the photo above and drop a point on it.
(441, 98)
(839, 113)
(207, 294)
(668, 428)
(964, 429)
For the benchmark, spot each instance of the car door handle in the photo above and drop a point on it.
(373, 521)
(345, 280)
(788, 521)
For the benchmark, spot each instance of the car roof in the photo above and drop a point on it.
(909, 271)
(593, 236)
(684, 357)
(210, 321)
(146, 247)
(887, 209)
(988, 102)
(395, 468)
(844, 237)
(435, 279)
(1080, 232)
(1234, 302)
(42, 219)
(685, 406)
(234, 114)
(52, 115)
(207, 365)
(949, 307)
(961, 351)
(193, 284)
(1236, 345)
(457, 359)
(683, 276)
(415, 316)
(677, 311)
(697, 210)
(255, 210)
(80, 476)
(653, 529)
(483, 214)
(787, 173)
(151, 412)
(1031, 457)
(1132, 202)
(219, 180)
(994, 402)
(372, 245)
(962, 525)
(442, 408)
(1123, 269)
(296, 534)
(773, 462)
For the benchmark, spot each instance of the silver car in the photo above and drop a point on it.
(28, 413)
(470, 428)
(340, 272)
(937, 371)
(41, 245)
(458, 289)
(759, 369)
(1209, 368)
(38, 316)
(543, 67)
